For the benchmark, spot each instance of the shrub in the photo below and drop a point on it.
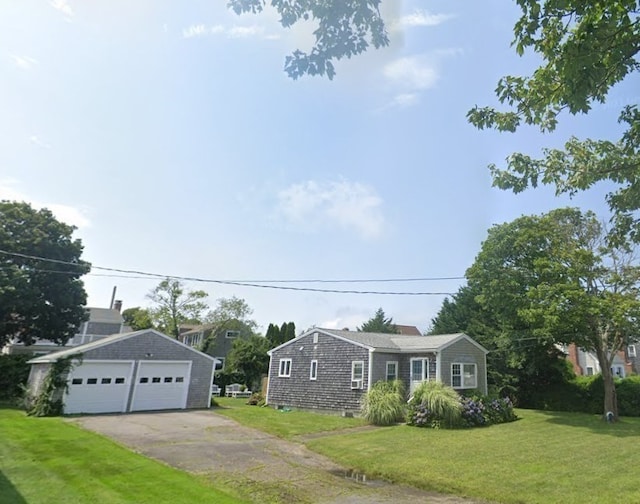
(440, 402)
(256, 399)
(14, 372)
(628, 394)
(474, 412)
(384, 403)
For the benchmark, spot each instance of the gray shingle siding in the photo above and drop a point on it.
(332, 388)
(464, 352)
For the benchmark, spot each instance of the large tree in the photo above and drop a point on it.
(379, 323)
(345, 28)
(231, 309)
(174, 305)
(137, 318)
(553, 279)
(41, 294)
(249, 357)
(586, 47)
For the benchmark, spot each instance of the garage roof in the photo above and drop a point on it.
(109, 340)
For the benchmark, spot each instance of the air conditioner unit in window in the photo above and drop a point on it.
(356, 384)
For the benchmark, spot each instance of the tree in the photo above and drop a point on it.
(228, 309)
(175, 306)
(41, 294)
(137, 318)
(345, 28)
(586, 48)
(249, 356)
(273, 335)
(379, 324)
(279, 335)
(553, 279)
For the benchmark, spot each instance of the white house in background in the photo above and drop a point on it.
(102, 322)
(586, 363)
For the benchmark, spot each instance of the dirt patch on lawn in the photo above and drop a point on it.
(248, 463)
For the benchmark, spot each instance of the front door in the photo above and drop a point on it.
(419, 372)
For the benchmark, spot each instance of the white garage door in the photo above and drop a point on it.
(161, 385)
(98, 387)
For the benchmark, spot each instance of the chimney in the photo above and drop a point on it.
(117, 305)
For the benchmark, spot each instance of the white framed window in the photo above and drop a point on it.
(315, 337)
(589, 371)
(631, 350)
(285, 368)
(357, 370)
(391, 371)
(231, 334)
(464, 376)
(313, 371)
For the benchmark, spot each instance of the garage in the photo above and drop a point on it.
(99, 387)
(138, 371)
(161, 385)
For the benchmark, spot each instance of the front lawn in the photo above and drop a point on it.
(282, 423)
(542, 458)
(47, 460)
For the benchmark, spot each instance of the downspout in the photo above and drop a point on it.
(370, 371)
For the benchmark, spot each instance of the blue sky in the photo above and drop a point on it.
(168, 133)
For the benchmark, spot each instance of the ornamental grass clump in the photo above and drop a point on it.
(384, 403)
(435, 404)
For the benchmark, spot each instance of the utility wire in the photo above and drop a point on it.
(250, 283)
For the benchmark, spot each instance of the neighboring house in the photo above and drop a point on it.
(586, 363)
(102, 322)
(224, 336)
(327, 369)
(136, 371)
(407, 330)
(633, 357)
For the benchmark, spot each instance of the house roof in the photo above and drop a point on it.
(395, 343)
(106, 315)
(70, 352)
(407, 330)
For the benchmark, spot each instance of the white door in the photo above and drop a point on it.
(161, 385)
(419, 373)
(98, 387)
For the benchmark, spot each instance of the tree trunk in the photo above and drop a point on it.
(610, 400)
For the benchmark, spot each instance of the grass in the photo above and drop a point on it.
(284, 424)
(542, 458)
(47, 460)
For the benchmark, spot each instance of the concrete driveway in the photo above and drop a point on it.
(264, 468)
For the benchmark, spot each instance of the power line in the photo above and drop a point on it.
(126, 273)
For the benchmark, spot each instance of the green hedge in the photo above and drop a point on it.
(14, 372)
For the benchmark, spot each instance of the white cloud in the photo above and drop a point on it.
(201, 30)
(36, 140)
(23, 62)
(350, 206)
(63, 6)
(65, 213)
(411, 73)
(421, 18)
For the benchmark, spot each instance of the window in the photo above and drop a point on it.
(92, 381)
(463, 376)
(589, 371)
(179, 379)
(392, 371)
(313, 373)
(105, 381)
(76, 381)
(155, 379)
(631, 350)
(220, 363)
(231, 334)
(144, 379)
(285, 368)
(315, 337)
(357, 370)
(119, 380)
(168, 379)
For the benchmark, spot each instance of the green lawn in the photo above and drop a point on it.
(47, 460)
(281, 423)
(542, 458)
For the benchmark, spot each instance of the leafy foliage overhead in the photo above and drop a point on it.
(174, 305)
(587, 47)
(39, 299)
(345, 28)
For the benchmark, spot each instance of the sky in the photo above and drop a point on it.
(170, 136)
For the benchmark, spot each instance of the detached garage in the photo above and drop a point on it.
(138, 371)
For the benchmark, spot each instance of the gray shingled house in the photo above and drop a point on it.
(331, 370)
(135, 371)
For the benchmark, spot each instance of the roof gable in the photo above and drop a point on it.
(109, 340)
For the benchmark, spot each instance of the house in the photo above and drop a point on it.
(633, 357)
(101, 322)
(586, 363)
(223, 337)
(327, 369)
(135, 371)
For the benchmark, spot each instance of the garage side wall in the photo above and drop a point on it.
(150, 347)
